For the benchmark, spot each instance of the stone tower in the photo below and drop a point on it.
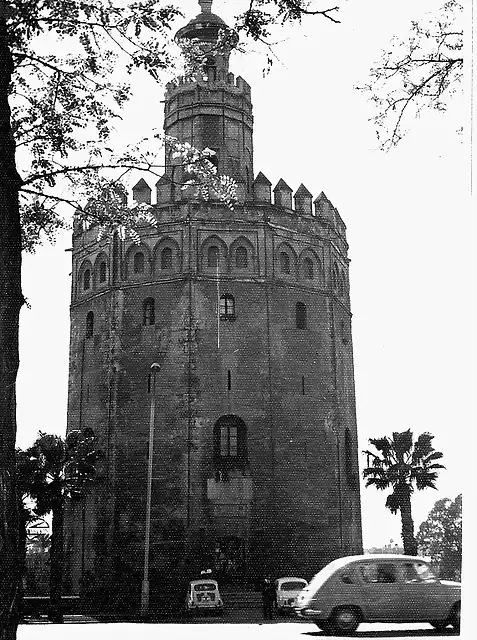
(247, 312)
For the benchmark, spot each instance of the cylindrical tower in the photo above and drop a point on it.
(247, 312)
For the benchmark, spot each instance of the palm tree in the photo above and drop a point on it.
(62, 469)
(403, 465)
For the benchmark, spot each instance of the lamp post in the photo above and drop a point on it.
(147, 535)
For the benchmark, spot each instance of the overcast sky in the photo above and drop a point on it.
(409, 226)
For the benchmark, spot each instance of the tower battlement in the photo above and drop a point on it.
(210, 81)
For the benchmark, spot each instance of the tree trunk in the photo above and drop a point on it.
(11, 300)
(407, 524)
(56, 564)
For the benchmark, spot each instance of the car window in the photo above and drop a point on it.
(292, 586)
(206, 586)
(417, 572)
(378, 572)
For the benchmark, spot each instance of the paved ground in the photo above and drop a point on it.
(80, 628)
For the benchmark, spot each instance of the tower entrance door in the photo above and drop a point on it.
(230, 559)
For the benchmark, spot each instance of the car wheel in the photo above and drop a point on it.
(324, 625)
(455, 617)
(439, 625)
(345, 620)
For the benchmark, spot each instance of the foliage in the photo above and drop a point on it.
(402, 464)
(440, 536)
(421, 72)
(62, 468)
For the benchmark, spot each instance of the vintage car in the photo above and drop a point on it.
(286, 593)
(379, 588)
(203, 597)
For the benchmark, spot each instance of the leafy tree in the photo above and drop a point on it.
(61, 470)
(440, 536)
(403, 464)
(421, 72)
(57, 109)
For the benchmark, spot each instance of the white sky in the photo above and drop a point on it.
(410, 233)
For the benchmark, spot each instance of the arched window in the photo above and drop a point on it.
(284, 262)
(102, 271)
(213, 256)
(139, 262)
(241, 258)
(227, 307)
(148, 315)
(308, 268)
(87, 279)
(166, 258)
(89, 324)
(300, 311)
(230, 442)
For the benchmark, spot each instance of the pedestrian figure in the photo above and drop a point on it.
(268, 598)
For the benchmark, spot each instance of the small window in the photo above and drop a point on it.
(300, 312)
(87, 279)
(148, 312)
(230, 447)
(89, 324)
(139, 262)
(166, 258)
(229, 381)
(284, 262)
(241, 258)
(308, 268)
(227, 307)
(213, 256)
(102, 271)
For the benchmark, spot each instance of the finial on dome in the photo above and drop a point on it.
(206, 6)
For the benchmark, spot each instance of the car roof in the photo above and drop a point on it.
(204, 581)
(289, 578)
(341, 562)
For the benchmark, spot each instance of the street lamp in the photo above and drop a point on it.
(147, 535)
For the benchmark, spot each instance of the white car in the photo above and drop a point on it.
(203, 596)
(379, 588)
(287, 590)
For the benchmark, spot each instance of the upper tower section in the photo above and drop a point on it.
(211, 109)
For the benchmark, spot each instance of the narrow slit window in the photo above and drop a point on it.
(303, 385)
(89, 324)
(229, 380)
(148, 312)
(300, 312)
